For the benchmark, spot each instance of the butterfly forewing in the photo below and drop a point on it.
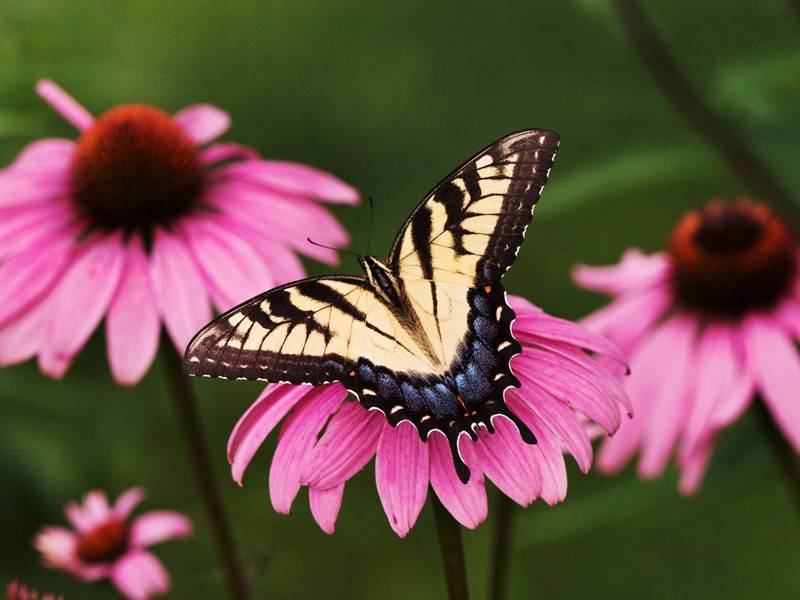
(468, 230)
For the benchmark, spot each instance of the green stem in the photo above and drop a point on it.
(502, 540)
(185, 404)
(784, 452)
(452, 550)
(725, 137)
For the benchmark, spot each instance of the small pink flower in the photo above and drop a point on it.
(141, 221)
(105, 543)
(707, 326)
(20, 591)
(563, 382)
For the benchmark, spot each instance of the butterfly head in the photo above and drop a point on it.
(380, 277)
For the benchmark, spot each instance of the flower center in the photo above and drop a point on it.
(104, 543)
(135, 168)
(730, 258)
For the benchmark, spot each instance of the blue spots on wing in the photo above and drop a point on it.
(473, 384)
(414, 400)
(367, 374)
(387, 387)
(481, 304)
(486, 329)
(440, 400)
(482, 355)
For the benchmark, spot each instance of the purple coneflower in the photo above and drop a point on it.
(106, 543)
(563, 382)
(708, 326)
(141, 221)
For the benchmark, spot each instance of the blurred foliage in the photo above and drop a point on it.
(391, 97)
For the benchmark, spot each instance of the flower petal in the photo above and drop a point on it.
(133, 325)
(225, 151)
(693, 469)
(508, 461)
(258, 421)
(179, 289)
(465, 501)
(126, 502)
(325, 505)
(401, 475)
(57, 546)
(140, 576)
(234, 270)
(634, 270)
(159, 526)
(773, 359)
(79, 301)
(64, 104)
(23, 336)
(29, 274)
(24, 226)
(298, 435)
(349, 442)
(203, 122)
(295, 179)
(50, 156)
(547, 452)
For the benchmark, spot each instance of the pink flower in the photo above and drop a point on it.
(20, 591)
(707, 327)
(107, 544)
(562, 383)
(142, 221)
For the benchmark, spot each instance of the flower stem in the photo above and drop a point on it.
(502, 540)
(783, 450)
(185, 404)
(452, 550)
(719, 132)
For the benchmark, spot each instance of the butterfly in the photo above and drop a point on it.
(425, 335)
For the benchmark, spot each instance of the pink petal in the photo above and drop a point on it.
(133, 326)
(31, 273)
(563, 421)
(159, 526)
(349, 442)
(295, 179)
(25, 226)
(203, 122)
(79, 301)
(298, 435)
(716, 372)
(225, 151)
(22, 337)
(561, 379)
(693, 468)
(126, 502)
(465, 501)
(509, 462)
(670, 400)
(96, 507)
(325, 505)
(28, 188)
(51, 157)
(258, 421)
(57, 546)
(289, 219)
(179, 289)
(401, 475)
(547, 453)
(284, 265)
(542, 325)
(234, 270)
(64, 104)
(635, 270)
(140, 576)
(774, 362)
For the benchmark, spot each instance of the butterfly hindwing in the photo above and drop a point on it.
(468, 230)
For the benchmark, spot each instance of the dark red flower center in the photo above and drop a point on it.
(730, 258)
(104, 543)
(135, 168)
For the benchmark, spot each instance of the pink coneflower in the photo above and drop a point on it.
(562, 382)
(20, 591)
(141, 221)
(708, 326)
(105, 543)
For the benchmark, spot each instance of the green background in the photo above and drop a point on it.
(391, 96)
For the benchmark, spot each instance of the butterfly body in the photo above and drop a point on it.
(425, 336)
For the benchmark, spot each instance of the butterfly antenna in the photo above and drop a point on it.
(345, 250)
(369, 231)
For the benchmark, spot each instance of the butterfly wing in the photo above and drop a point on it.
(468, 229)
(303, 332)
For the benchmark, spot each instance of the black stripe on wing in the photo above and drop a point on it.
(249, 342)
